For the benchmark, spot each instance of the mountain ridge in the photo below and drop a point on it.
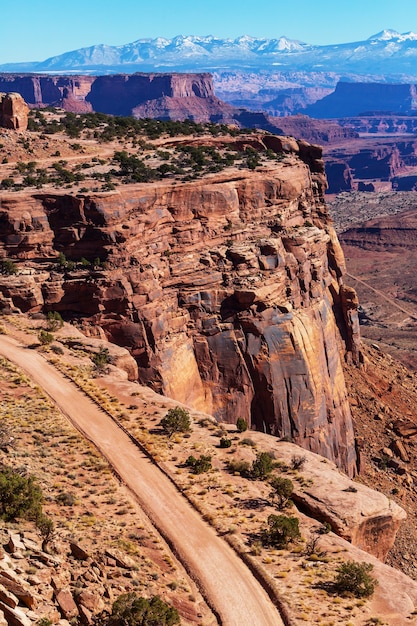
(387, 52)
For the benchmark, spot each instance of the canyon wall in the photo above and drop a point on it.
(171, 96)
(354, 99)
(228, 290)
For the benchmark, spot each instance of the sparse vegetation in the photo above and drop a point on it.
(200, 465)
(262, 466)
(280, 531)
(355, 579)
(132, 610)
(101, 358)
(177, 420)
(282, 489)
(45, 338)
(241, 425)
(55, 320)
(20, 496)
(8, 267)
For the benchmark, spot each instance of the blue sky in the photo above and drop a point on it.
(32, 30)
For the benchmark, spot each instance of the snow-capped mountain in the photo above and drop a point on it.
(387, 53)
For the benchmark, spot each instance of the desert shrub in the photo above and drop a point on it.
(55, 320)
(66, 499)
(44, 621)
(241, 425)
(239, 467)
(8, 268)
(282, 489)
(355, 579)
(132, 610)
(201, 465)
(262, 466)
(281, 530)
(247, 442)
(176, 421)
(225, 442)
(45, 337)
(46, 528)
(101, 358)
(20, 496)
(297, 462)
(57, 349)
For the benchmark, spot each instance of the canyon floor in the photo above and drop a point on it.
(383, 275)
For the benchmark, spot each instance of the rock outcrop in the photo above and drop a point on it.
(13, 111)
(362, 516)
(224, 289)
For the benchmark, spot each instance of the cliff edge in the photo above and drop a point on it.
(227, 290)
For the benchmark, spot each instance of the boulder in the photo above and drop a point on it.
(13, 111)
(66, 604)
(364, 517)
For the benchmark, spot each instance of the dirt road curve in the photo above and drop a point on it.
(227, 584)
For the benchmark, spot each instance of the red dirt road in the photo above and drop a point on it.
(225, 581)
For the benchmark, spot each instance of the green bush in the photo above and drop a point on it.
(282, 489)
(225, 442)
(241, 425)
(101, 358)
(45, 338)
(262, 466)
(132, 610)
(55, 320)
(355, 579)
(8, 267)
(281, 530)
(20, 496)
(201, 465)
(176, 421)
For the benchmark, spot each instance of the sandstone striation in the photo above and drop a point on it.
(226, 290)
(171, 96)
(13, 111)
(42, 90)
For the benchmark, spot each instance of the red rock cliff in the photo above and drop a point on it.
(121, 94)
(227, 290)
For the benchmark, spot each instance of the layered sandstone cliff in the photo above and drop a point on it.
(226, 290)
(171, 96)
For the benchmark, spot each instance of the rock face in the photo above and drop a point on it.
(13, 111)
(226, 290)
(42, 90)
(354, 99)
(169, 96)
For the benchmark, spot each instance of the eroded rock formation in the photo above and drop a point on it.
(226, 290)
(169, 96)
(13, 111)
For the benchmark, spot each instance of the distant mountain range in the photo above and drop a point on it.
(388, 53)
